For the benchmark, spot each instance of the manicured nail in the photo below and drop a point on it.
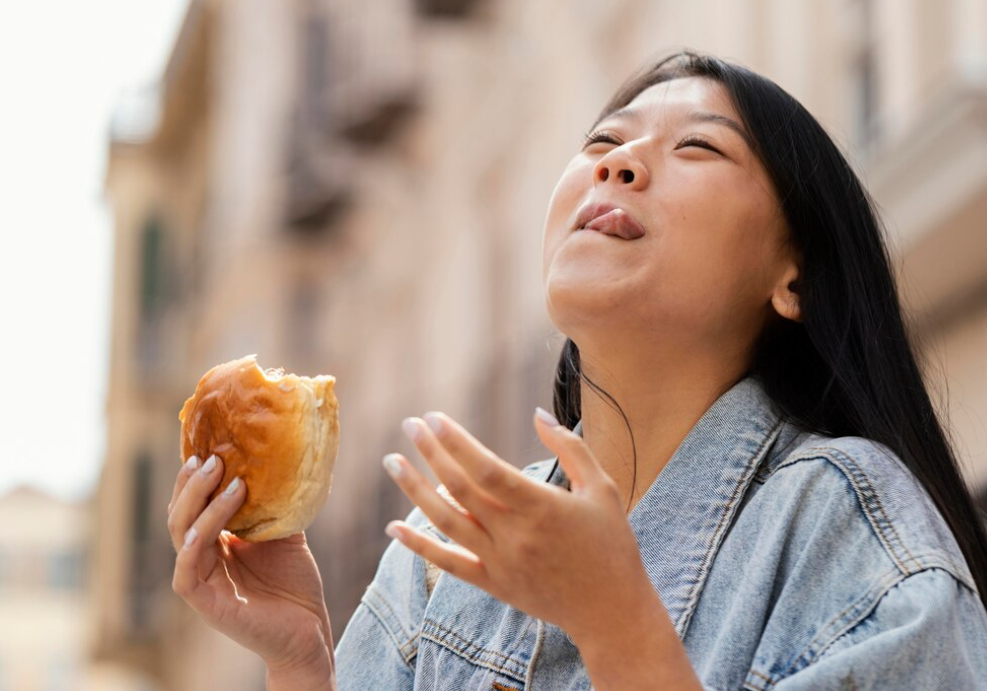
(434, 421)
(192, 463)
(411, 428)
(209, 465)
(232, 487)
(546, 417)
(190, 536)
(393, 466)
(392, 531)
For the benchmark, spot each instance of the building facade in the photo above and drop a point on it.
(358, 189)
(45, 612)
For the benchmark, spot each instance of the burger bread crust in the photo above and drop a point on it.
(278, 432)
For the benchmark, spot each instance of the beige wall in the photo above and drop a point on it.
(424, 292)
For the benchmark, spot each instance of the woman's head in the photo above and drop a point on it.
(714, 263)
(770, 240)
(832, 350)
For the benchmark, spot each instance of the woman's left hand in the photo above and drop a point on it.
(556, 555)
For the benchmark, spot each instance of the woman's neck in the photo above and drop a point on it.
(661, 404)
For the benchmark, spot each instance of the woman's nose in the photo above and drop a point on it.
(620, 168)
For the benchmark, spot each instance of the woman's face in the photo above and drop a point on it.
(713, 247)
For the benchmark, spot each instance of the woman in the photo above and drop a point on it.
(760, 495)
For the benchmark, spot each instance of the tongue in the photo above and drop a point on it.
(615, 223)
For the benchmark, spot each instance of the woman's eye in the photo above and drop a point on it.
(594, 137)
(693, 140)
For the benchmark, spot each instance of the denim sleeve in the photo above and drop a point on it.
(928, 632)
(379, 647)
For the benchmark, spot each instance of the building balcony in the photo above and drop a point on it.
(316, 185)
(451, 9)
(372, 84)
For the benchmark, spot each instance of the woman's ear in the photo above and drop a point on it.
(784, 298)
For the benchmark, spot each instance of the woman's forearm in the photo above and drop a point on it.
(637, 652)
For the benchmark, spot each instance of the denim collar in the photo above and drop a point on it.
(683, 517)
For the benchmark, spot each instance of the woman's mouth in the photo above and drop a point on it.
(608, 219)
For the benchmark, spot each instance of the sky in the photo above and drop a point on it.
(63, 66)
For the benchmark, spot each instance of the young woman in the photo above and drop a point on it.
(751, 488)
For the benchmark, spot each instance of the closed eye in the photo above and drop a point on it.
(696, 140)
(598, 136)
(689, 140)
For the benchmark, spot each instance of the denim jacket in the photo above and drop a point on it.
(786, 561)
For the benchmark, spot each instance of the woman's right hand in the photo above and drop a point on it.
(266, 596)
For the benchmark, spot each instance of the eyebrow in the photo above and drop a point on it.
(696, 116)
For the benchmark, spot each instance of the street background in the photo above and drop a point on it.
(358, 189)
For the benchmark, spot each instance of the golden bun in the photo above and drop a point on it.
(278, 432)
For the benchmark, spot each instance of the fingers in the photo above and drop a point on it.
(453, 559)
(192, 499)
(191, 465)
(195, 544)
(455, 474)
(578, 462)
(501, 482)
(458, 524)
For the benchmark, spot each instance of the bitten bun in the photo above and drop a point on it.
(278, 432)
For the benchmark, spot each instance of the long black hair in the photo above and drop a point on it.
(848, 368)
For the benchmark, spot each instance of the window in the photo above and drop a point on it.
(66, 570)
(152, 268)
(142, 576)
(153, 282)
(451, 9)
(305, 315)
(315, 47)
(864, 78)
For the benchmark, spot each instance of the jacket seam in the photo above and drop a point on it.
(856, 612)
(865, 493)
(539, 641)
(756, 685)
(922, 562)
(460, 646)
(406, 650)
(726, 516)
(875, 595)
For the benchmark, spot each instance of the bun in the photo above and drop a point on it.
(278, 432)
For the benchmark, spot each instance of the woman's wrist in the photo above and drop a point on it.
(318, 673)
(314, 668)
(638, 650)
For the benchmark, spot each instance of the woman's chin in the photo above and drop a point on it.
(572, 305)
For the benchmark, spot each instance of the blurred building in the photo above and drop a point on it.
(45, 614)
(359, 189)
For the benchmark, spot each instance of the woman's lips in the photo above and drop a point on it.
(618, 223)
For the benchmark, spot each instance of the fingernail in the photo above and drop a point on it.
(411, 429)
(232, 487)
(393, 466)
(392, 531)
(434, 422)
(209, 465)
(546, 417)
(192, 463)
(190, 536)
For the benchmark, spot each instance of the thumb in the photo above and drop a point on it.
(577, 460)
